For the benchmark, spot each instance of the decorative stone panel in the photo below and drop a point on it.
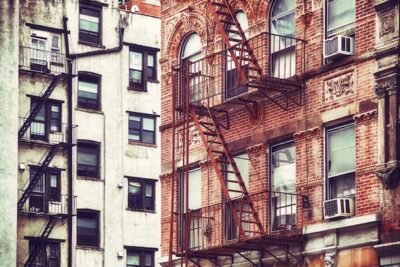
(339, 87)
(386, 22)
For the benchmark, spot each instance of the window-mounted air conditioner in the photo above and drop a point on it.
(338, 207)
(337, 46)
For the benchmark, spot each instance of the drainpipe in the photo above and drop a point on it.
(69, 140)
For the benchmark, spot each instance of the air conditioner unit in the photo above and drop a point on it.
(339, 207)
(338, 46)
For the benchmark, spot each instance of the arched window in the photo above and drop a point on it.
(283, 28)
(190, 54)
(231, 86)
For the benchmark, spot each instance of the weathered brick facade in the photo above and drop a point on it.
(335, 93)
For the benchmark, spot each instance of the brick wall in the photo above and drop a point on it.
(339, 92)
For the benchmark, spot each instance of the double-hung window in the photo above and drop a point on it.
(141, 194)
(283, 186)
(140, 257)
(48, 254)
(88, 159)
(142, 68)
(142, 128)
(340, 161)
(48, 188)
(88, 91)
(88, 228)
(47, 121)
(340, 16)
(38, 54)
(90, 24)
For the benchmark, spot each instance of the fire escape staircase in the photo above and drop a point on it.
(38, 175)
(235, 40)
(43, 98)
(220, 156)
(42, 238)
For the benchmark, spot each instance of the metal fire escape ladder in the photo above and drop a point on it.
(32, 183)
(39, 105)
(42, 238)
(225, 17)
(223, 155)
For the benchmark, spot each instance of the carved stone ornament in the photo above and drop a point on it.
(316, 4)
(389, 177)
(386, 22)
(329, 259)
(386, 86)
(339, 87)
(194, 137)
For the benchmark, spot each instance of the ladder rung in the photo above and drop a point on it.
(215, 142)
(218, 4)
(206, 123)
(235, 191)
(232, 181)
(229, 171)
(224, 161)
(234, 39)
(232, 31)
(227, 21)
(245, 221)
(249, 231)
(218, 151)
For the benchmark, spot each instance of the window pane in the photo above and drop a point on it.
(148, 260)
(87, 229)
(194, 189)
(89, 23)
(283, 168)
(342, 186)
(148, 137)
(282, 6)
(243, 165)
(341, 13)
(150, 60)
(88, 87)
(192, 46)
(148, 124)
(53, 180)
(149, 190)
(87, 156)
(150, 72)
(341, 146)
(135, 76)
(55, 42)
(136, 60)
(41, 116)
(135, 188)
(133, 259)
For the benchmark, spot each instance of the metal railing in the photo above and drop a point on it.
(47, 132)
(48, 203)
(214, 225)
(43, 61)
(217, 78)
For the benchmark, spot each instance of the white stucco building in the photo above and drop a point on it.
(88, 140)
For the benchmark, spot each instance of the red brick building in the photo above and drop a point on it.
(280, 133)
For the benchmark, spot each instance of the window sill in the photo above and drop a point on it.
(91, 44)
(82, 247)
(153, 81)
(87, 178)
(141, 144)
(90, 110)
(136, 89)
(141, 210)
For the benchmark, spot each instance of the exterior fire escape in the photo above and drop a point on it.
(209, 110)
(37, 62)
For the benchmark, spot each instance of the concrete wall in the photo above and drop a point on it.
(9, 29)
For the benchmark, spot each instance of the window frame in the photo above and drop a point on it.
(142, 251)
(89, 144)
(328, 191)
(82, 33)
(141, 131)
(47, 120)
(93, 78)
(143, 183)
(91, 214)
(43, 251)
(145, 52)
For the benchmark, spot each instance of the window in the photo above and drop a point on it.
(140, 257)
(191, 67)
(45, 51)
(231, 228)
(48, 255)
(87, 228)
(90, 24)
(340, 162)
(141, 194)
(88, 91)
(340, 16)
(231, 80)
(194, 205)
(142, 128)
(142, 68)
(38, 54)
(283, 186)
(47, 189)
(47, 121)
(283, 28)
(88, 159)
